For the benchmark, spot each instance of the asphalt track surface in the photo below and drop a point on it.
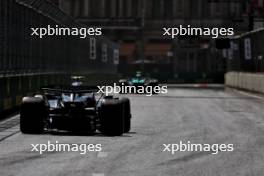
(196, 115)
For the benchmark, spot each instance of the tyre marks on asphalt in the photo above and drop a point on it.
(186, 158)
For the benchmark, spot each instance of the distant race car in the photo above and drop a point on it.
(139, 80)
(75, 109)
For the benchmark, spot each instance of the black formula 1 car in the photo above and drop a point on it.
(139, 80)
(75, 109)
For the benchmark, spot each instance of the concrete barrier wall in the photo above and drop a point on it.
(248, 81)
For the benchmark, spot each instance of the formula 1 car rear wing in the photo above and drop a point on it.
(70, 89)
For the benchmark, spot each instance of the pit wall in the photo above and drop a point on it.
(247, 81)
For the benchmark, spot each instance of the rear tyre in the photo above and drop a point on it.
(32, 115)
(111, 115)
(127, 115)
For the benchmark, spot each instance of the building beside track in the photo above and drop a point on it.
(137, 26)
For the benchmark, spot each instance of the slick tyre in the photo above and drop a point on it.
(32, 114)
(127, 115)
(112, 117)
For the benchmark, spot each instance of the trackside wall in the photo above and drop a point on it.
(247, 81)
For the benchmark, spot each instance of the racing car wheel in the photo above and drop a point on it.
(111, 114)
(127, 114)
(32, 114)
